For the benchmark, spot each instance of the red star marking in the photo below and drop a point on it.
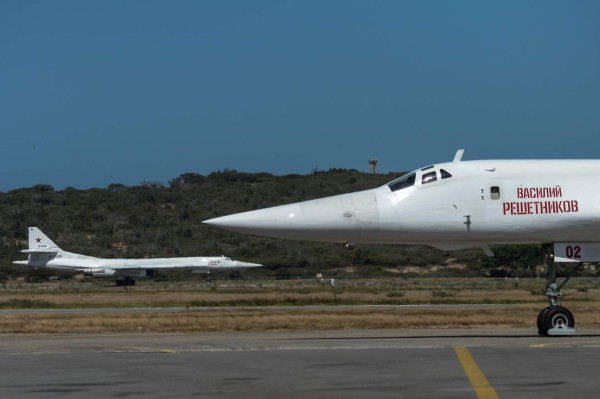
(38, 240)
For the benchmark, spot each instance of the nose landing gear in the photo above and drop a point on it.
(555, 319)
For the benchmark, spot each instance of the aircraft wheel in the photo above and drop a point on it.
(120, 283)
(559, 317)
(556, 317)
(131, 282)
(541, 321)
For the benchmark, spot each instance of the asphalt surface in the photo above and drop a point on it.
(515, 363)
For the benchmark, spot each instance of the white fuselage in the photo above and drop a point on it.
(60, 261)
(208, 263)
(470, 203)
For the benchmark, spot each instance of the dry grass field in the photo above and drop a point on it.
(286, 305)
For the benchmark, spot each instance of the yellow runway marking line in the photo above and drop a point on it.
(480, 384)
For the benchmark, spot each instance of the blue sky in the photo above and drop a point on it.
(100, 92)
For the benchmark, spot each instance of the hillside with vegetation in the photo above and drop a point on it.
(164, 220)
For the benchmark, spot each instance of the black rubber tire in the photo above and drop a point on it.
(558, 316)
(541, 321)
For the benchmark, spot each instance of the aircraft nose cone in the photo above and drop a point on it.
(339, 218)
(255, 222)
(248, 265)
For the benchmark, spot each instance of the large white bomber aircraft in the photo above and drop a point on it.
(457, 205)
(43, 253)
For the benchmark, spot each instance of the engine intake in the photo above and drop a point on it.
(98, 272)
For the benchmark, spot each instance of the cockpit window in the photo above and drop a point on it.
(428, 177)
(444, 174)
(407, 180)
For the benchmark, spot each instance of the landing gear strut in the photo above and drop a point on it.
(555, 319)
(126, 282)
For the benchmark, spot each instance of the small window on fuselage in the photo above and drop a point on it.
(495, 192)
(407, 180)
(428, 177)
(445, 174)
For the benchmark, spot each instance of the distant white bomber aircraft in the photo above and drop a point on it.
(43, 253)
(458, 205)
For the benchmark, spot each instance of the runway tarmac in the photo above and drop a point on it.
(427, 363)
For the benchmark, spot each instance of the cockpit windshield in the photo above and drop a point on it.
(407, 180)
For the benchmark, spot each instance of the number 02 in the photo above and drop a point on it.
(573, 252)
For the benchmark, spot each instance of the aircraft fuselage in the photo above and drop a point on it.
(449, 205)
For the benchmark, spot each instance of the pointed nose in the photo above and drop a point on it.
(247, 265)
(255, 222)
(339, 218)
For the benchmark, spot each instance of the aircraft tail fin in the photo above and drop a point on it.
(39, 242)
